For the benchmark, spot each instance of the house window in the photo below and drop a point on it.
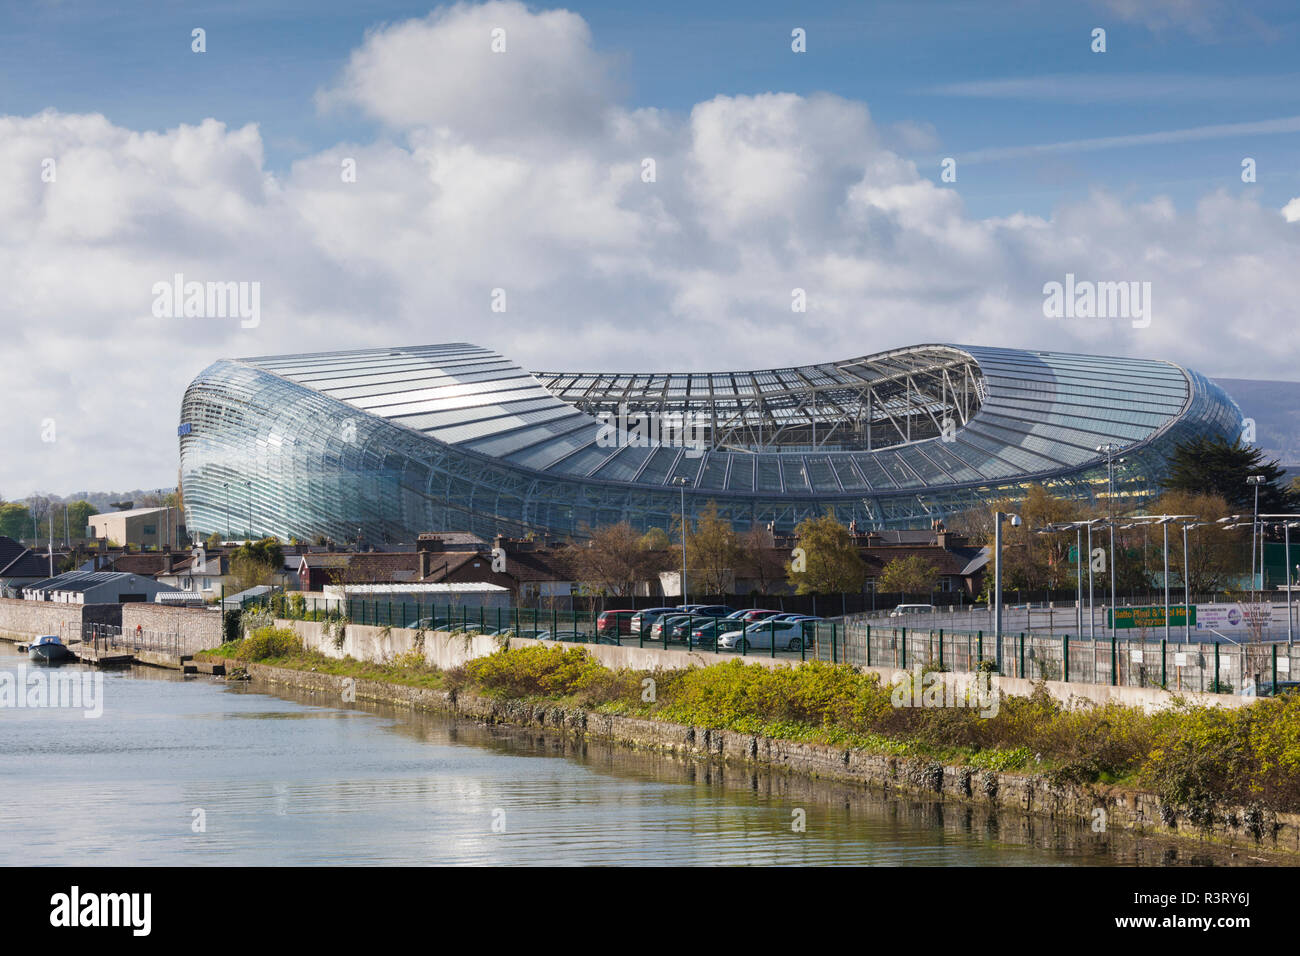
(207, 584)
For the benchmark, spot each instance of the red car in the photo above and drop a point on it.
(610, 623)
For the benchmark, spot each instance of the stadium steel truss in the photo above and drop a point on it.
(378, 445)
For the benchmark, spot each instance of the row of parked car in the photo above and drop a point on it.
(711, 626)
(540, 634)
(714, 626)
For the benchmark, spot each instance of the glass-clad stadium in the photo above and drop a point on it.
(382, 444)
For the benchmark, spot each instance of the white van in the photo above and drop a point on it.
(904, 610)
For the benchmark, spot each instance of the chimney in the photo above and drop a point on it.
(426, 563)
(168, 561)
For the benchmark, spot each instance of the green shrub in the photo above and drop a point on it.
(232, 626)
(266, 643)
(536, 671)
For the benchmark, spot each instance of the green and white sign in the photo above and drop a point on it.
(1150, 616)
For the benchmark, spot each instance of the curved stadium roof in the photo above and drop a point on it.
(389, 442)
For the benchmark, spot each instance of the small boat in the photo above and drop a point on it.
(48, 650)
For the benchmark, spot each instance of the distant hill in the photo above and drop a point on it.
(1275, 407)
(103, 500)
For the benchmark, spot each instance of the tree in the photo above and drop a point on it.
(1214, 556)
(79, 513)
(213, 541)
(1214, 466)
(712, 551)
(910, 575)
(1031, 560)
(656, 539)
(256, 563)
(267, 550)
(759, 559)
(829, 563)
(249, 571)
(616, 560)
(15, 521)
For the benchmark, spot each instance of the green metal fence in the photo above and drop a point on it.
(1123, 661)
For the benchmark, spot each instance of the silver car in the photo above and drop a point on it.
(789, 636)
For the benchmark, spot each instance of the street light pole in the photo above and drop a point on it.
(1288, 522)
(998, 518)
(1109, 449)
(1164, 523)
(1092, 614)
(1255, 480)
(681, 483)
(1078, 573)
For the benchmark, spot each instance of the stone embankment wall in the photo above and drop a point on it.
(1123, 808)
(20, 619)
(196, 628)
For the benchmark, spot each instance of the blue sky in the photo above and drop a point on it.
(778, 172)
(1203, 64)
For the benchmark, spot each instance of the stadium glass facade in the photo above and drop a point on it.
(381, 444)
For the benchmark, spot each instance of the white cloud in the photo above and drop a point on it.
(523, 172)
(1291, 211)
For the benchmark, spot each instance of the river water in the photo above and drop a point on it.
(195, 771)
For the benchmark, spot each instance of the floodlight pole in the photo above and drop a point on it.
(1078, 573)
(681, 483)
(1255, 480)
(1092, 614)
(1109, 449)
(998, 518)
(1165, 524)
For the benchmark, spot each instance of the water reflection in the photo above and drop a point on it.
(297, 778)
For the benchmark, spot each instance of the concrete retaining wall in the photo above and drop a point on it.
(365, 643)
